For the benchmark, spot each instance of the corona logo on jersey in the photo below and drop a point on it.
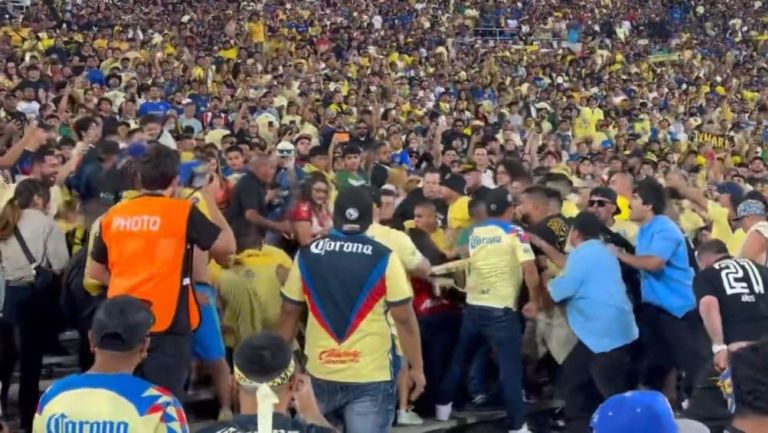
(322, 246)
(60, 423)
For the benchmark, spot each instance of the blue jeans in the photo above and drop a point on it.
(501, 328)
(359, 407)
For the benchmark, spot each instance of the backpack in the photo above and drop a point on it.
(77, 305)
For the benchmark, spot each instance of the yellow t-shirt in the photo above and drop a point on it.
(437, 237)
(721, 227)
(623, 203)
(569, 208)
(496, 251)
(399, 243)
(250, 292)
(256, 30)
(458, 214)
(627, 229)
(364, 353)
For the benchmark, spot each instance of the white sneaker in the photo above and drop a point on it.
(408, 417)
(443, 412)
(523, 429)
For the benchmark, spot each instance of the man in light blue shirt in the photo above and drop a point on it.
(600, 314)
(670, 327)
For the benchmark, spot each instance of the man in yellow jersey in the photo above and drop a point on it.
(622, 183)
(453, 190)
(500, 260)
(415, 264)
(349, 282)
(720, 212)
(250, 287)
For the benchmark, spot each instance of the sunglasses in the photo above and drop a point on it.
(598, 203)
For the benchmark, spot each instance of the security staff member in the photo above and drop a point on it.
(144, 249)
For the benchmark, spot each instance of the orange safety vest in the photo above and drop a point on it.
(149, 258)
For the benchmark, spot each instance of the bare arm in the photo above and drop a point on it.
(255, 218)
(303, 232)
(408, 331)
(99, 272)
(532, 281)
(709, 308)
(288, 325)
(224, 245)
(643, 263)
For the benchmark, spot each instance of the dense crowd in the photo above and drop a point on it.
(371, 213)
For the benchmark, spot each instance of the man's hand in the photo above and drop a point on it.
(676, 180)
(530, 310)
(304, 397)
(284, 227)
(721, 360)
(35, 135)
(419, 382)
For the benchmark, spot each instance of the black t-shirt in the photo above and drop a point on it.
(553, 230)
(739, 286)
(249, 423)
(250, 193)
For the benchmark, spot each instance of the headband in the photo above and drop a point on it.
(265, 396)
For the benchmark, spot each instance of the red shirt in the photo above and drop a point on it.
(425, 303)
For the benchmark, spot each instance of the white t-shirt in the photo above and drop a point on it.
(762, 229)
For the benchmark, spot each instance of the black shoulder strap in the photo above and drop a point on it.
(23, 245)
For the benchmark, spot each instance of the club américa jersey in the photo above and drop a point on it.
(108, 403)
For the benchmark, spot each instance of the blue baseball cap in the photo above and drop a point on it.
(640, 412)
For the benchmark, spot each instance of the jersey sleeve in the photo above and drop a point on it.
(523, 247)
(407, 251)
(292, 290)
(301, 212)
(398, 287)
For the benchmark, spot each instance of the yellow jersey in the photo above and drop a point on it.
(497, 249)
(721, 227)
(627, 230)
(250, 292)
(348, 284)
(458, 213)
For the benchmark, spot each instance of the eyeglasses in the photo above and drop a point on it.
(598, 203)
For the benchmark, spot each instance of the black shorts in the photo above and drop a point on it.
(167, 363)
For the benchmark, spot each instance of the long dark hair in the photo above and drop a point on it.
(309, 182)
(23, 196)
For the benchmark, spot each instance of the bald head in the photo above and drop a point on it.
(621, 182)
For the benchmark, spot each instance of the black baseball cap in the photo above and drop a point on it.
(608, 194)
(121, 324)
(498, 201)
(353, 210)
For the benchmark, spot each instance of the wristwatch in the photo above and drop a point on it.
(717, 348)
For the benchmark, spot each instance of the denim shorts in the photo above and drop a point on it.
(207, 341)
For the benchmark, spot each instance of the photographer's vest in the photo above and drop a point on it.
(148, 257)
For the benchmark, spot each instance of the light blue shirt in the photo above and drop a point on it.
(671, 287)
(595, 297)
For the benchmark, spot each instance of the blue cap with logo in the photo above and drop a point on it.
(749, 208)
(640, 412)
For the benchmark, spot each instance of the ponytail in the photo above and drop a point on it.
(9, 218)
